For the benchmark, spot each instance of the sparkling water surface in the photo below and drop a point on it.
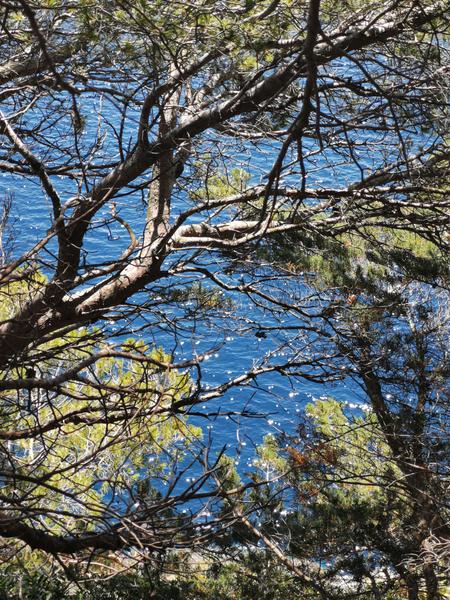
(277, 400)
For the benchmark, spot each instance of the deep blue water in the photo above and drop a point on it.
(277, 400)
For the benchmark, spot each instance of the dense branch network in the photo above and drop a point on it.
(343, 117)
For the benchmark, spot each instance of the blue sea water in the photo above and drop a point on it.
(276, 400)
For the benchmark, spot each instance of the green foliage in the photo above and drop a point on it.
(358, 261)
(345, 507)
(220, 185)
(252, 577)
(343, 447)
(41, 586)
(354, 447)
(246, 576)
(107, 432)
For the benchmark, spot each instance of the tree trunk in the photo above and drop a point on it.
(413, 588)
(431, 582)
